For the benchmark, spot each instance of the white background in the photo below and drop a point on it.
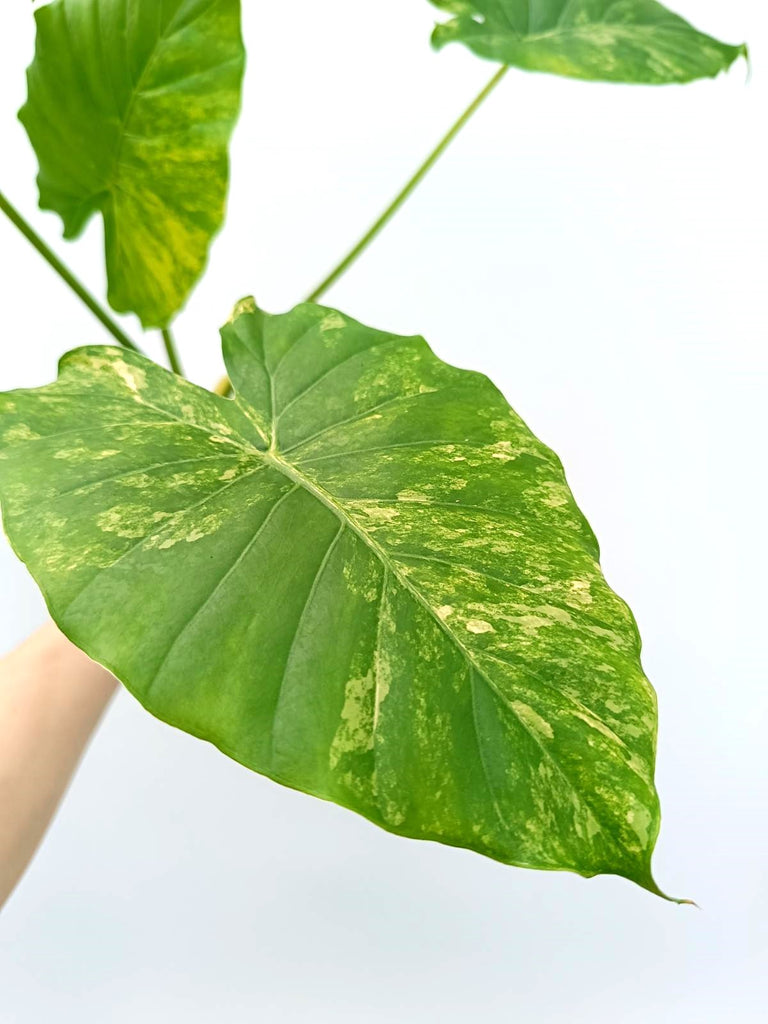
(600, 252)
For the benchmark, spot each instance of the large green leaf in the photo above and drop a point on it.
(601, 40)
(364, 577)
(130, 109)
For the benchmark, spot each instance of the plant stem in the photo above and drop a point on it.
(101, 314)
(171, 351)
(378, 225)
(224, 387)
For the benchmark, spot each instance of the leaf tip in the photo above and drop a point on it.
(649, 884)
(241, 307)
(743, 51)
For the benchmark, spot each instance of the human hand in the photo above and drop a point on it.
(51, 698)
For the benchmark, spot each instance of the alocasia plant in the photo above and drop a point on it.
(361, 575)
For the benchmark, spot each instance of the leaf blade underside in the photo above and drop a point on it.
(629, 41)
(363, 577)
(130, 110)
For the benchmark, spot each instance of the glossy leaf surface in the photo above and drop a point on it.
(637, 41)
(130, 108)
(364, 577)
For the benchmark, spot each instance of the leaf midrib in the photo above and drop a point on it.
(165, 34)
(273, 458)
(586, 31)
(318, 492)
(296, 476)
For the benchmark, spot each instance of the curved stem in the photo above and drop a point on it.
(53, 260)
(224, 387)
(172, 352)
(412, 183)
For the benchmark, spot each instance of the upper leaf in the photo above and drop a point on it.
(637, 41)
(131, 104)
(364, 577)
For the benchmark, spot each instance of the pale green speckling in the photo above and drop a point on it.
(633, 41)
(363, 577)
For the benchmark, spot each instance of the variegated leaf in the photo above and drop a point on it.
(363, 577)
(602, 40)
(130, 109)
